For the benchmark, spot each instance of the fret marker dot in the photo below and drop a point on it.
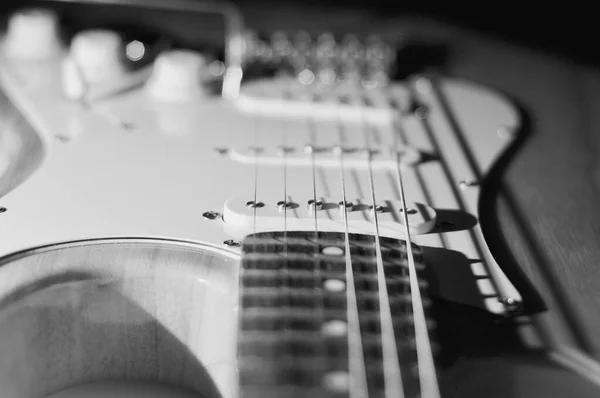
(337, 381)
(335, 285)
(333, 251)
(335, 328)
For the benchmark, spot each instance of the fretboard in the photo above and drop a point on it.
(293, 332)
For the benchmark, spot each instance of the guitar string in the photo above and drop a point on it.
(317, 260)
(392, 373)
(87, 105)
(357, 367)
(285, 285)
(256, 140)
(425, 363)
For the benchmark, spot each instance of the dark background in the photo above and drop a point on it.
(565, 29)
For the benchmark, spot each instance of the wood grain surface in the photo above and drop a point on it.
(117, 309)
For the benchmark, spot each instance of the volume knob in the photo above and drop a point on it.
(177, 76)
(33, 34)
(96, 56)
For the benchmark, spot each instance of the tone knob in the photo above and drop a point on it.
(178, 76)
(99, 54)
(96, 56)
(33, 34)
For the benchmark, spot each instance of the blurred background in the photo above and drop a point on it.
(563, 29)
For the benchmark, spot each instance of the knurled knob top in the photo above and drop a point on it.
(98, 53)
(33, 34)
(178, 76)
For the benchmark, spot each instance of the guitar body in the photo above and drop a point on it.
(125, 225)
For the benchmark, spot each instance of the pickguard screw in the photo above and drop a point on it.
(511, 304)
(211, 215)
(464, 184)
(3, 209)
(254, 205)
(222, 151)
(312, 205)
(232, 243)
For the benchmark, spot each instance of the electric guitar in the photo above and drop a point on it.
(314, 231)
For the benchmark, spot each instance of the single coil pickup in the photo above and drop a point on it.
(247, 217)
(328, 157)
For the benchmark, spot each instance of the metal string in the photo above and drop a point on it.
(391, 362)
(426, 367)
(357, 367)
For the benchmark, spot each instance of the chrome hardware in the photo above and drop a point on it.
(232, 243)
(312, 205)
(464, 184)
(284, 205)
(349, 205)
(254, 205)
(378, 208)
(511, 304)
(3, 209)
(211, 215)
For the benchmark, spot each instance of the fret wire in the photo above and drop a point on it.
(392, 373)
(426, 366)
(356, 359)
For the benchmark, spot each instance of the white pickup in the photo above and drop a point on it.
(242, 216)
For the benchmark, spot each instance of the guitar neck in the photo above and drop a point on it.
(295, 322)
